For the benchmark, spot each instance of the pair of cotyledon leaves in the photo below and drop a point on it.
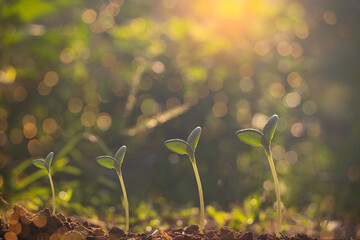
(185, 147)
(256, 138)
(176, 145)
(250, 136)
(113, 162)
(41, 163)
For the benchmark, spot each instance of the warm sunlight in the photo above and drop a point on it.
(79, 79)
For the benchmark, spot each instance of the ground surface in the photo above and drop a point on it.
(21, 224)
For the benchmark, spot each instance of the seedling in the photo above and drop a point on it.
(41, 163)
(181, 147)
(256, 138)
(116, 162)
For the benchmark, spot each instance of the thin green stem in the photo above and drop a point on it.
(201, 196)
(277, 189)
(53, 191)
(126, 202)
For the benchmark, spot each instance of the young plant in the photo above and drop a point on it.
(188, 148)
(41, 163)
(263, 139)
(115, 163)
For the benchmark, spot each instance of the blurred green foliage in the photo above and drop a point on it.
(80, 78)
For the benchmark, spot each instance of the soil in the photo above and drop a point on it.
(44, 225)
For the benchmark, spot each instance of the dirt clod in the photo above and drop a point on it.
(192, 229)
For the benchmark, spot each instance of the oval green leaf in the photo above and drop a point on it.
(177, 146)
(270, 126)
(252, 137)
(120, 154)
(106, 161)
(193, 138)
(49, 159)
(39, 163)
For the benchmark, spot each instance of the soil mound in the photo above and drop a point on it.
(44, 225)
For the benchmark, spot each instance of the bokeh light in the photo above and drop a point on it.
(67, 55)
(297, 129)
(262, 48)
(75, 105)
(34, 147)
(219, 109)
(51, 78)
(104, 121)
(49, 125)
(88, 117)
(259, 120)
(16, 136)
(89, 16)
(8, 75)
(215, 84)
(43, 89)
(20, 94)
(294, 79)
(148, 106)
(29, 130)
(292, 100)
(284, 48)
(246, 84)
(277, 90)
(172, 102)
(158, 67)
(330, 17)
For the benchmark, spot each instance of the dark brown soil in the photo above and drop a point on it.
(21, 224)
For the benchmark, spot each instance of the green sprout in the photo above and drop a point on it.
(116, 162)
(263, 139)
(41, 163)
(181, 147)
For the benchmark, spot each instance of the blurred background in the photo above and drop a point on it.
(82, 78)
